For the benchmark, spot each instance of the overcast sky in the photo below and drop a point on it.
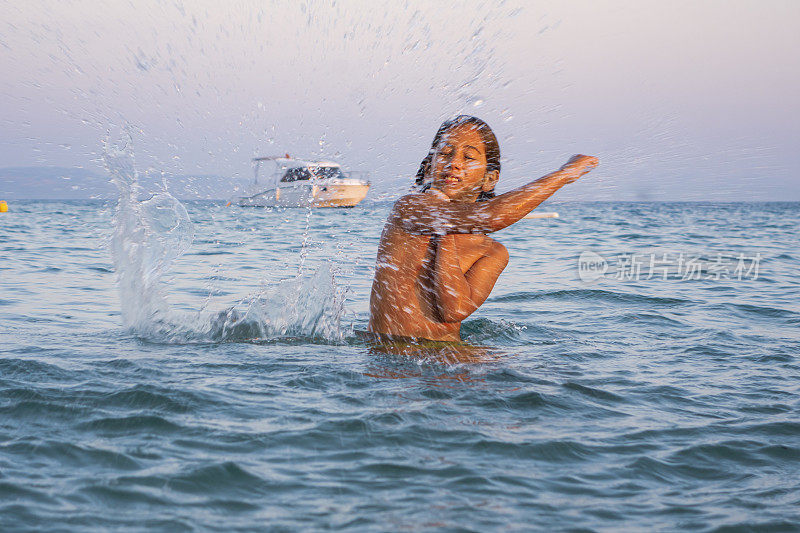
(681, 100)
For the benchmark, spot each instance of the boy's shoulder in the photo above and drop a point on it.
(420, 198)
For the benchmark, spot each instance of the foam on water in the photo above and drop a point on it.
(153, 230)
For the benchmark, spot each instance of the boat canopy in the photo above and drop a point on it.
(311, 172)
(300, 169)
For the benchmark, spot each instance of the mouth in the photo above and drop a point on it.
(449, 179)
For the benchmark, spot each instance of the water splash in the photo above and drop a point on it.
(152, 230)
(149, 235)
(306, 307)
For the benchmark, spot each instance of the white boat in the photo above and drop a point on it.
(303, 183)
(535, 214)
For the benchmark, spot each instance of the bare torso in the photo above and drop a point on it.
(403, 299)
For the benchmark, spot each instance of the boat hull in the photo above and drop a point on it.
(318, 195)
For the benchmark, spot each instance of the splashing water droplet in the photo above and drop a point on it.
(151, 234)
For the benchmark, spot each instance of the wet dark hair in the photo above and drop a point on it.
(490, 144)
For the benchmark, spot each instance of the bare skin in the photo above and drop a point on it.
(435, 264)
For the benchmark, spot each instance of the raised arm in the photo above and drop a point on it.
(422, 213)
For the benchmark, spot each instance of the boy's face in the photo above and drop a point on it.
(458, 168)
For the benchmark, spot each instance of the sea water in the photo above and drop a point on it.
(183, 366)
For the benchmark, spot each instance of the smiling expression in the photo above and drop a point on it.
(458, 168)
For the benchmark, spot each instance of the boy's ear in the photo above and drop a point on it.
(490, 180)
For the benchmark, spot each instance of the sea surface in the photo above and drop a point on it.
(171, 369)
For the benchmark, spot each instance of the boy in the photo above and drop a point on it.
(435, 264)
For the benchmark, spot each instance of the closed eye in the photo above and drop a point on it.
(471, 153)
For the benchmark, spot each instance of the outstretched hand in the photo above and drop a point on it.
(577, 166)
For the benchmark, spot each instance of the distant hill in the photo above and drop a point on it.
(76, 183)
(53, 183)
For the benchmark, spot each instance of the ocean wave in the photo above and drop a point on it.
(151, 398)
(595, 393)
(131, 424)
(649, 468)
(14, 492)
(24, 369)
(227, 477)
(76, 455)
(750, 310)
(43, 409)
(550, 451)
(484, 330)
(110, 495)
(592, 295)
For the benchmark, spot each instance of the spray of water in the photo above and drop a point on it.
(152, 230)
(309, 307)
(148, 236)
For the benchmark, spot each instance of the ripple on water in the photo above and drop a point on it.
(548, 451)
(595, 393)
(484, 330)
(41, 410)
(131, 425)
(111, 495)
(725, 454)
(227, 478)
(11, 492)
(67, 453)
(25, 369)
(664, 471)
(595, 295)
(152, 398)
(758, 311)
(527, 401)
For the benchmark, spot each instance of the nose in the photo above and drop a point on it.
(454, 163)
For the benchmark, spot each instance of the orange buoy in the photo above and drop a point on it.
(3, 207)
